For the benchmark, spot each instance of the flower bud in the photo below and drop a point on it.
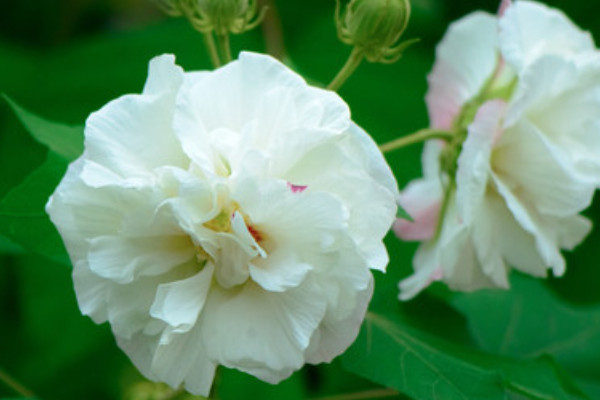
(374, 26)
(228, 16)
(221, 16)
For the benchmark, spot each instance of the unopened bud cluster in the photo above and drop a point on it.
(220, 16)
(374, 27)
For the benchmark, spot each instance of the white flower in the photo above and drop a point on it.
(521, 92)
(227, 217)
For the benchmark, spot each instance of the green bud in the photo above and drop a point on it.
(226, 15)
(219, 16)
(230, 16)
(374, 27)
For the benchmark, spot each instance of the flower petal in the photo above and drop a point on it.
(461, 70)
(124, 259)
(529, 29)
(117, 135)
(561, 98)
(540, 172)
(475, 159)
(279, 271)
(334, 336)
(179, 303)
(422, 201)
(262, 333)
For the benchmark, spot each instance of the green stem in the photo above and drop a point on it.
(369, 394)
(416, 137)
(443, 209)
(14, 385)
(209, 41)
(224, 47)
(352, 63)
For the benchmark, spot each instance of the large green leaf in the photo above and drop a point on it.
(393, 353)
(234, 385)
(64, 140)
(22, 215)
(530, 321)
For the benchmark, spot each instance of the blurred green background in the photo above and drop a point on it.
(63, 59)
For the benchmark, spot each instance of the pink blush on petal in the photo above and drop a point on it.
(422, 228)
(504, 4)
(296, 188)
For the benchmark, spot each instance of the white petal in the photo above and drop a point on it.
(183, 359)
(262, 333)
(545, 244)
(572, 231)
(279, 271)
(341, 274)
(427, 270)
(529, 30)
(118, 135)
(461, 70)
(540, 172)
(163, 75)
(334, 336)
(123, 259)
(179, 303)
(233, 103)
(561, 99)
(336, 168)
(128, 304)
(474, 160)
(81, 212)
(496, 231)
(360, 147)
(91, 292)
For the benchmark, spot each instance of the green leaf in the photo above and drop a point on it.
(238, 385)
(530, 320)
(64, 140)
(22, 215)
(403, 214)
(7, 246)
(391, 352)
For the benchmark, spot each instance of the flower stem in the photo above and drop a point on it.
(224, 47)
(352, 63)
(416, 137)
(209, 41)
(14, 385)
(368, 394)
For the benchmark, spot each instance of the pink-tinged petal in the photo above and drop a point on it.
(422, 227)
(422, 200)
(504, 4)
(461, 70)
(529, 30)
(475, 158)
